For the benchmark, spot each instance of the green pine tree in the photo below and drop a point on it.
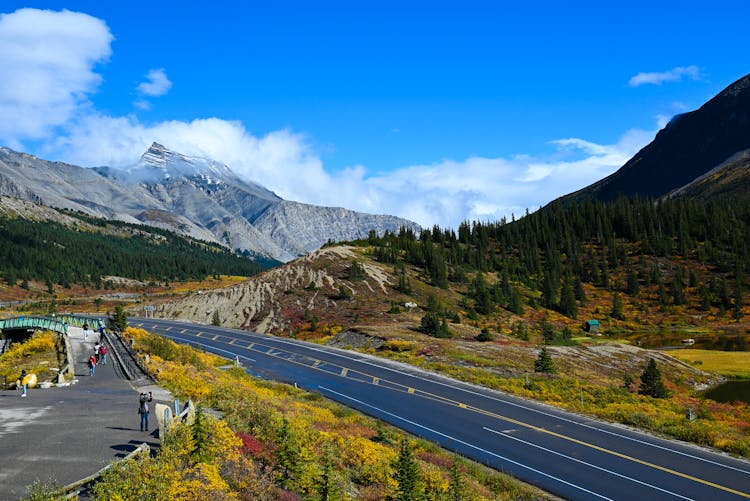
(457, 485)
(651, 382)
(406, 474)
(199, 428)
(118, 321)
(617, 307)
(216, 320)
(544, 363)
(568, 305)
(288, 453)
(326, 485)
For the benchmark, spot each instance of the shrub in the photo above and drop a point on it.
(434, 326)
(485, 335)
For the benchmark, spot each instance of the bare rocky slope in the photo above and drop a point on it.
(193, 196)
(315, 296)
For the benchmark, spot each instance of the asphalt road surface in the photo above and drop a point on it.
(566, 454)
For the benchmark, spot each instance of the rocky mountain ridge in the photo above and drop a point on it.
(193, 196)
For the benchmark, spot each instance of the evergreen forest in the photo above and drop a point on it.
(543, 258)
(58, 254)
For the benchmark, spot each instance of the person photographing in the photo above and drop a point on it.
(143, 409)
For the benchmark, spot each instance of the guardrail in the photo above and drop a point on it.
(35, 322)
(133, 355)
(116, 355)
(81, 320)
(70, 491)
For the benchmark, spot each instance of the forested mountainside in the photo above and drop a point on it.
(676, 245)
(75, 248)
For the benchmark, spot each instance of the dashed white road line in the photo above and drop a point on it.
(590, 465)
(459, 441)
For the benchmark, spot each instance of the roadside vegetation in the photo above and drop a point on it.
(39, 355)
(278, 442)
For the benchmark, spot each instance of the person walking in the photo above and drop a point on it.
(97, 347)
(85, 332)
(92, 365)
(143, 409)
(24, 384)
(103, 354)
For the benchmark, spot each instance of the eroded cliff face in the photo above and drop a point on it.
(275, 300)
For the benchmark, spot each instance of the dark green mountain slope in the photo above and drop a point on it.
(688, 147)
(64, 247)
(730, 181)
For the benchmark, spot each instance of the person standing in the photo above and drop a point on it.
(85, 332)
(103, 354)
(92, 365)
(143, 409)
(24, 384)
(97, 347)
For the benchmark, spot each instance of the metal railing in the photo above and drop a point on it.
(35, 322)
(81, 320)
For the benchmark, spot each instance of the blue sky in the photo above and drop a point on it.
(434, 111)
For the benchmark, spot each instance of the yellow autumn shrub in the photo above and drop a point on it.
(369, 461)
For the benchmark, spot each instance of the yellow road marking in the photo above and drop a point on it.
(395, 386)
(317, 363)
(614, 453)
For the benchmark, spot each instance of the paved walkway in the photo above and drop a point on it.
(67, 433)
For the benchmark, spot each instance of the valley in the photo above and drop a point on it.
(624, 302)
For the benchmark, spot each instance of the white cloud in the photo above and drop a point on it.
(57, 52)
(658, 78)
(47, 60)
(156, 84)
(443, 193)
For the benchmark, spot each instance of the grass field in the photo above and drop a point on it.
(734, 364)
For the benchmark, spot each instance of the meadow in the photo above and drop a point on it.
(731, 364)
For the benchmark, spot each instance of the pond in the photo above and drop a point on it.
(722, 342)
(731, 391)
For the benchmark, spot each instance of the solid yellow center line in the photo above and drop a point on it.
(609, 451)
(403, 388)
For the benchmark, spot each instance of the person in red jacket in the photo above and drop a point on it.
(103, 354)
(92, 365)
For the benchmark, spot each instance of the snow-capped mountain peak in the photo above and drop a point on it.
(159, 163)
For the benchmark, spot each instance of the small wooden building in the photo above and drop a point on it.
(591, 326)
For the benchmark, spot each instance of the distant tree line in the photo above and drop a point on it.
(57, 254)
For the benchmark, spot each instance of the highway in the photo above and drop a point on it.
(568, 455)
